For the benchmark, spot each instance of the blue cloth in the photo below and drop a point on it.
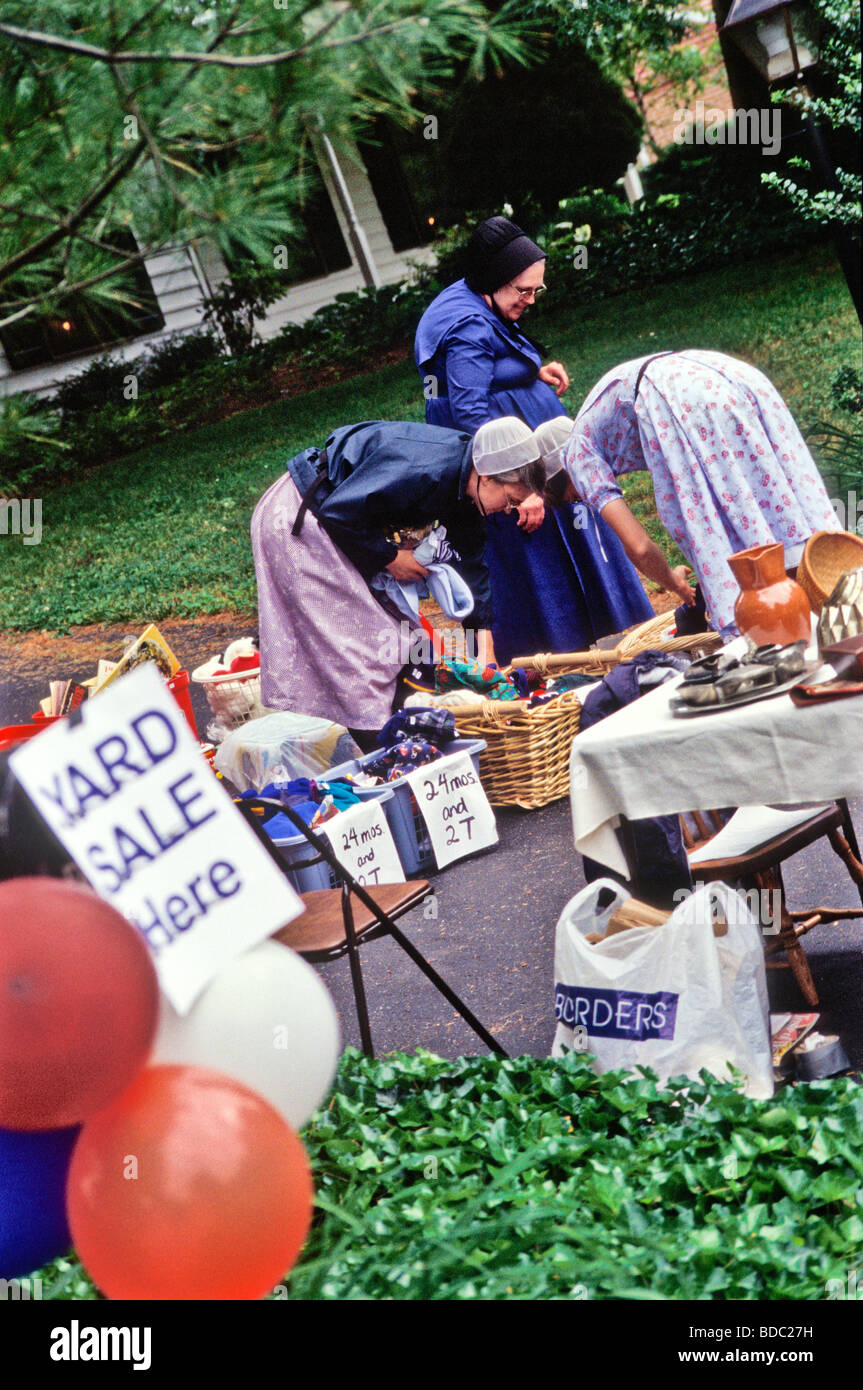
(554, 590)
(384, 474)
(437, 726)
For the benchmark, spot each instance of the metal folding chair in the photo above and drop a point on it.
(330, 929)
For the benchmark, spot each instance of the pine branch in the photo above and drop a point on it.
(71, 222)
(259, 60)
(65, 288)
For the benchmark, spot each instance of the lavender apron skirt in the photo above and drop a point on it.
(327, 646)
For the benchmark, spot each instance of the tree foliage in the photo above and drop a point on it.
(532, 137)
(635, 43)
(183, 118)
(836, 107)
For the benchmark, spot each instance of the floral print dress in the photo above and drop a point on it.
(729, 466)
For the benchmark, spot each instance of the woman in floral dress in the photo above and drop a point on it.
(729, 468)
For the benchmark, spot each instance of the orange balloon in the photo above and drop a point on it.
(78, 1003)
(188, 1186)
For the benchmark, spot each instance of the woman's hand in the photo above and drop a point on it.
(682, 587)
(554, 375)
(531, 513)
(405, 568)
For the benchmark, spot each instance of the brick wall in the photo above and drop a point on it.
(662, 104)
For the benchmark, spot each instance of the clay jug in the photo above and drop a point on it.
(771, 606)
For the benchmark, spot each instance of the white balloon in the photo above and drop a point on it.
(267, 1020)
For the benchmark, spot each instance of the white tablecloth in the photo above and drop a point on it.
(646, 761)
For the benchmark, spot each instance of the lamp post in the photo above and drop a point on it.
(780, 39)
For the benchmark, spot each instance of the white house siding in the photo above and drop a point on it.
(183, 276)
(177, 286)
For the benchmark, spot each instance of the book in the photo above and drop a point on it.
(787, 1030)
(150, 646)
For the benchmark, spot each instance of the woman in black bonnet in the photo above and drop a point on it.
(559, 581)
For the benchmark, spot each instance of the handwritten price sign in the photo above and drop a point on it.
(454, 807)
(362, 841)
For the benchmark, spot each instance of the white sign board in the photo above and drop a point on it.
(454, 806)
(128, 792)
(363, 842)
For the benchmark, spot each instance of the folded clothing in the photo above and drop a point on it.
(462, 700)
(403, 757)
(436, 725)
(486, 680)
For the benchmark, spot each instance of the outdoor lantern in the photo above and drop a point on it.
(780, 40)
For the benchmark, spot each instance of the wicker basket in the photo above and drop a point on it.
(526, 760)
(828, 555)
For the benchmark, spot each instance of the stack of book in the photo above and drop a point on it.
(67, 695)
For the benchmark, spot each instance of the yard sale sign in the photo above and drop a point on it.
(127, 791)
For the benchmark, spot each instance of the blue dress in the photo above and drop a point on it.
(570, 582)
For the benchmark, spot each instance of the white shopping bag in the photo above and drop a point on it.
(674, 998)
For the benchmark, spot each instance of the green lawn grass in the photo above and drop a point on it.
(165, 532)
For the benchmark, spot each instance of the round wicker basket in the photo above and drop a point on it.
(828, 555)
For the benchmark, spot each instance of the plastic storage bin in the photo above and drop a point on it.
(306, 878)
(405, 818)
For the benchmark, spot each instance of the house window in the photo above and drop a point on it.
(397, 163)
(81, 326)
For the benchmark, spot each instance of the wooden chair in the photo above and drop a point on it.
(759, 867)
(331, 926)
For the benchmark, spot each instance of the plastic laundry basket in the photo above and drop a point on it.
(405, 818)
(297, 853)
(235, 697)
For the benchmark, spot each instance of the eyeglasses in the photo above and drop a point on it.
(526, 294)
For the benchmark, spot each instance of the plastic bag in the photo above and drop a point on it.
(280, 747)
(674, 998)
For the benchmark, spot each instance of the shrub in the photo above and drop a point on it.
(847, 390)
(177, 356)
(103, 379)
(29, 446)
(241, 299)
(356, 324)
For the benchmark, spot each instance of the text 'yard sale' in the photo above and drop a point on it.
(129, 794)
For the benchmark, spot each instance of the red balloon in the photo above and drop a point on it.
(78, 1003)
(188, 1186)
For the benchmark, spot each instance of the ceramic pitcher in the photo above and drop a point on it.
(771, 606)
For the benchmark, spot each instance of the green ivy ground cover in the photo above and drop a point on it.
(530, 1178)
(165, 532)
